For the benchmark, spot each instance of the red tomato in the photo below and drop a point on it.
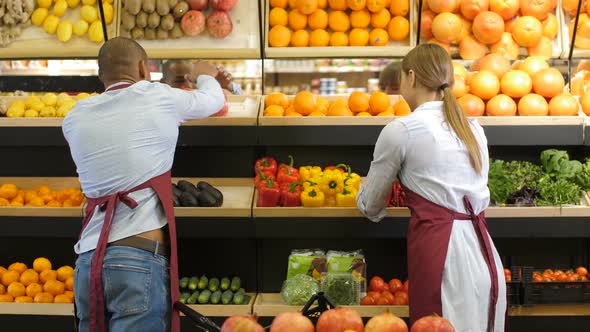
(407, 286)
(572, 279)
(368, 300)
(561, 277)
(387, 295)
(395, 285)
(537, 278)
(508, 278)
(374, 295)
(383, 301)
(377, 284)
(583, 278)
(397, 301)
(581, 271)
(402, 297)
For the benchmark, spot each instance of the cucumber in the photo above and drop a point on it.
(204, 297)
(203, 282)
(215, 297)
(184, 297)
(193, 298)
(184, 282)
(225, 282)
(247, 299)
(238, 298)
(241, 290)
(193, 283)
(235, 284)
(227, 296)
(213, 284)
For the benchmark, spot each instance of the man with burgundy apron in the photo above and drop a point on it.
(123, 143)
(442, 161)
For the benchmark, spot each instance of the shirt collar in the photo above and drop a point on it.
(116, 85)
(431, 105)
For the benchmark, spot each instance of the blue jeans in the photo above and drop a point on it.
(136, 287)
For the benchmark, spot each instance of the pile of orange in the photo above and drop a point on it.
(530, 88)
(43, 196)
(583, 36)
(497, 26)
(306, 103)
(39, 284)
(320, 23)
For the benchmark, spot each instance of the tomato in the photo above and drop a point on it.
(562, 277)
(374, 295)
(572, 279)
(508, 278)
(549, 271)
(402, 297)
(398, 301)
(547, 280)
(387, 295)
(537, 278)
(377, 284)
(407, 286)
(383, 301)
(395, 285)
(583, 278)
(581, 271)
(368, 300)
(506, 272)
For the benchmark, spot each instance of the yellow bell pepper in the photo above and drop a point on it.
(308, 172)
(347, 198)
(312, 182)
(332, 182)
(312, 197)
(330, 201)
(353, 180)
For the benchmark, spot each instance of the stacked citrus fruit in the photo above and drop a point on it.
(570, 8)
(39, 284)
(529, 88)
(49, 105)
(43, 196)
(502, 25)
(317, 23)
(357, 104)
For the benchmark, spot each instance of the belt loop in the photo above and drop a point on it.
(157, 248)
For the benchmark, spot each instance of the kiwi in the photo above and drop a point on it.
(137, 33)
(150, 34)
(125, 33)
(127, 21)
(161, 34)
(180, 9)
(132, 6)
(141, 20)
(167, 22)
(176, 31)
(162, 7)
(154, 20)
(149, 6)
(172, 3)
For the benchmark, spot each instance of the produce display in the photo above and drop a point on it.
(43, 196)
(381, 293)
(15, 15)
(201, 194)
(49, 105)
(38, 284)
(530, 88)
(577, 275)
(172, 19)
(497, 26)
(583, 35)
(315, 23)
(358, 104)
(204, 290)
(557, 181)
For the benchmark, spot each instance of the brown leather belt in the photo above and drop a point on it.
(138, 242)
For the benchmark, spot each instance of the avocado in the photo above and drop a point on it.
(227, 296)
(176, 191)
(188, 200)
(184, 185)
(238, 298)
(193, 298)
(203, 282)
(213, 284)
(204, 186)
(204, 296)
(235, 284)
(225, 282)
(215, 297)
(193, 283)
(183, 282)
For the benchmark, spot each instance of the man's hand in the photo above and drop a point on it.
(224, 78)
(200, 68)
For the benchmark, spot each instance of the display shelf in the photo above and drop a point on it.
(552, 310)
(326, 69)
(243, 111)
(37, 309)
(213, 310)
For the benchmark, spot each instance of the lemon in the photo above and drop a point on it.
(80, 28)
(109, 13)
(110, 1)
(63, 110)
(47, 112)
(31, 114)
(82, 95)
(15, 113)
(95, 32)
(94, 94)
(61, 99)
(32, 99)
(60, 7)
(49, 99)
(39, 16)
(17, 105)
(44, 3)
(73, 3)
(89, 2)
(88, 13)
(64, 31)
(50, 24)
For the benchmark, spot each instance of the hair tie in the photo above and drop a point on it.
(443, 86)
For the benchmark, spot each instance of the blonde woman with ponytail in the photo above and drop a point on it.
(441, 160)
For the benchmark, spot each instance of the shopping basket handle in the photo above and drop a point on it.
(201, 321)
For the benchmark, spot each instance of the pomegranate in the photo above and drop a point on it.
(340, 319)
(386, 322)
(219, 24)
(192, 23)
(240, 323)
(291, 321)
(225, 5)
(432, 324)
(198, 4)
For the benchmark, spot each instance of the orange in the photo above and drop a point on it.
(278, 16)
(279, 3)
(300, 38)
(356, 4)
(8, 191)
(292, 4)
(319, 38)
(64, 272)
(340, 110)
(53, 204)
(506, 47)
(47, 275)
(401, 108)
(6, 298)
(274, 110)
(358, 37)
(447, 27)
(18, 267)
(495, 63)
(550, 26)
(29, 277)
(54, 287)
(36, 202)
(380, 19)
(375, 5)
(533, 65)
(276, 98)
(62, 195)
(304, 102)
(379, 102)
(358, 102)
(585, 101)
(34, 289)
(501, 105)
(317, 113)
(564, 104)
(516, 84)
(339, 101)
(399, 7)
(485, 85)
(338, 4)
(338, 21)
(322, 4)
(547, 82)
(426, 24)
(16, 289)
(292, 113)
(488, 27)
(278, 36)
(62, 298)
(360, 18)
(318, 20)
(41, 264)
(527, 31)
(438, 6)
(460, 87)
(70, 294)
(509, 25)
(507, 9)
(4, 202)
(297, 21)
(571, 6)
(29, 195)
(323, 105)
(43, 298)
(307, 7)
(339, 39)
(378, 37)
(47, 198)
(386, 113)
(533, 105)
(472, 105)
(544, 48)
(363, 114)
(23, 299)
(43, 190)
(471, 8)
(471, 49)
(536, 8)
(70, 281)
(2, 289)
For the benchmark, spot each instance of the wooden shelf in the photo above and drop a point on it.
(551, 310)
(243, 111)
(37, 309)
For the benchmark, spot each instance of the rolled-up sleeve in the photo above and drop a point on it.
(205, 101)
(388, 158)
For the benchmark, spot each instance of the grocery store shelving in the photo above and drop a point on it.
(325, 69)
(564, 310)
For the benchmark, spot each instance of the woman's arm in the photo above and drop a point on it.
(388, 158)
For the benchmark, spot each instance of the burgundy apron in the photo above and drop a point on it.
(429, 234)
(162, 186)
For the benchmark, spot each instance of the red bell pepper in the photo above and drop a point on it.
(268, 194)
(398, 196)
(288, 173)
(341, 167)
(291, 194)
(267, 165)
(262, 177)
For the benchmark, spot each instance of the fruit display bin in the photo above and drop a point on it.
(392, 49)
(553, 292)
(35, 42)
(565, 32)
